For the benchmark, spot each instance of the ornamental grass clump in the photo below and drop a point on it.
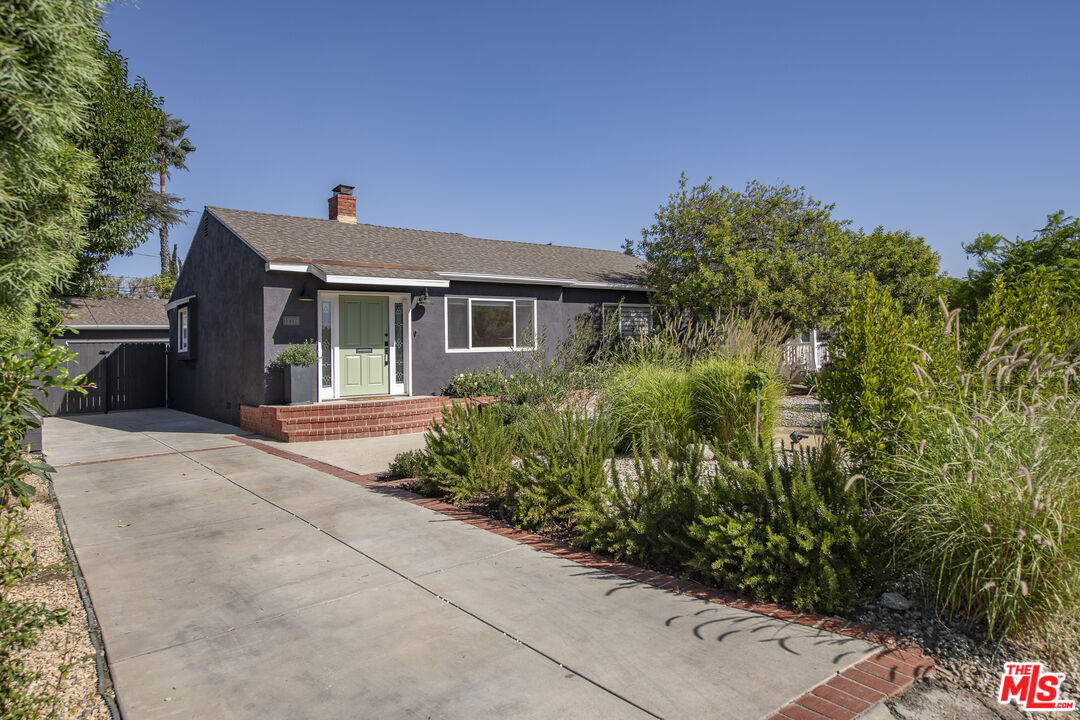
(986, 494)
(724, 400)
(644, 398)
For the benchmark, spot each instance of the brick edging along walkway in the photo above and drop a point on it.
(842, 697)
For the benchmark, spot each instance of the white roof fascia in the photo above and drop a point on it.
(117, 327)
(178, 302)
(606, 285)
(393, 281)
(512, 279)
(290, 267)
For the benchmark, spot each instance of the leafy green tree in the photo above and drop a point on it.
(775, 247)
(900, 262)
(50, 69)
(122, 134)
(1055, 248)
(170, 154)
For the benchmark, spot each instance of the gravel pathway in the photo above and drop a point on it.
(802, 411)
(67, 645)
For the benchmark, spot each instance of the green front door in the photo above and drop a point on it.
(363, 355)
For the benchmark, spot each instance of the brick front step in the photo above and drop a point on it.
(347, 420)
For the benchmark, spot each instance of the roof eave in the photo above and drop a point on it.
(318, 272)
(115, 327)
(526, 280)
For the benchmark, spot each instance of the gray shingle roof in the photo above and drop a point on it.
(115, 312)
(374, 251)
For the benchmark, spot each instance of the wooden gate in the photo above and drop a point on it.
(126, 376)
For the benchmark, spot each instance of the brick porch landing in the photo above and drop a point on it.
(347, 419)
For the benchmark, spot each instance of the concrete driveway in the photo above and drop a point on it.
(229, 582)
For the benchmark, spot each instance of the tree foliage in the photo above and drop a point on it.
(1054, 250)
(50, 68)
(122, 135)
(716, 249)
(170, 153)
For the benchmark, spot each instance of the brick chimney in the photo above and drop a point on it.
(343, 204)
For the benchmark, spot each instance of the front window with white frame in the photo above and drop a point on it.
(182, 329)
(484, 324)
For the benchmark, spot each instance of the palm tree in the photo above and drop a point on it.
(171, 152)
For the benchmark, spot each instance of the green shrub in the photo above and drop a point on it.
(566, 463)
(297, 354)
(724, 403)
(644, 398)
(867, 385)
(480, 383)
(470, 453)
(784, 530)
(644, 517)
(411, 464)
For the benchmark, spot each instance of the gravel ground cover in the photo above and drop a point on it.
(64, 655)
(969, 664)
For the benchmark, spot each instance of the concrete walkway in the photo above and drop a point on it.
(363, 456)
(232, 583)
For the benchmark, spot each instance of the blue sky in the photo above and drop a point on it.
(570, 122)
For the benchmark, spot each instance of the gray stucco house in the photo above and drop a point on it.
(394, 312)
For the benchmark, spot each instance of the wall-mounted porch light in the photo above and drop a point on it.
(306, 295)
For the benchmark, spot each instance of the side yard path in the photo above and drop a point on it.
(233, 578)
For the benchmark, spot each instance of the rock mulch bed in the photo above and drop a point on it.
(969, 666)
(67, 646)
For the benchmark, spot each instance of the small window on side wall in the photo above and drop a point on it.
(184, 340)
(183, 328)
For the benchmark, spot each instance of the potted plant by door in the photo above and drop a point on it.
(297, 362)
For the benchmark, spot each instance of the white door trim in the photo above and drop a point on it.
(332, 296)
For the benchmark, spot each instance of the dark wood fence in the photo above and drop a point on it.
(126, 376)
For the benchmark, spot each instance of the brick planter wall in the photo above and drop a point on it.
(350, 419)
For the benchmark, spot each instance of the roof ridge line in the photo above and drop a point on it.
(359, 224)
(418, 230)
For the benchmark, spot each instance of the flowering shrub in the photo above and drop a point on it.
(478, 383)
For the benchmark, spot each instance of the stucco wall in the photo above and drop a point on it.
(432, 366)
(281, 297)
(556, 309)
(226, 277)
